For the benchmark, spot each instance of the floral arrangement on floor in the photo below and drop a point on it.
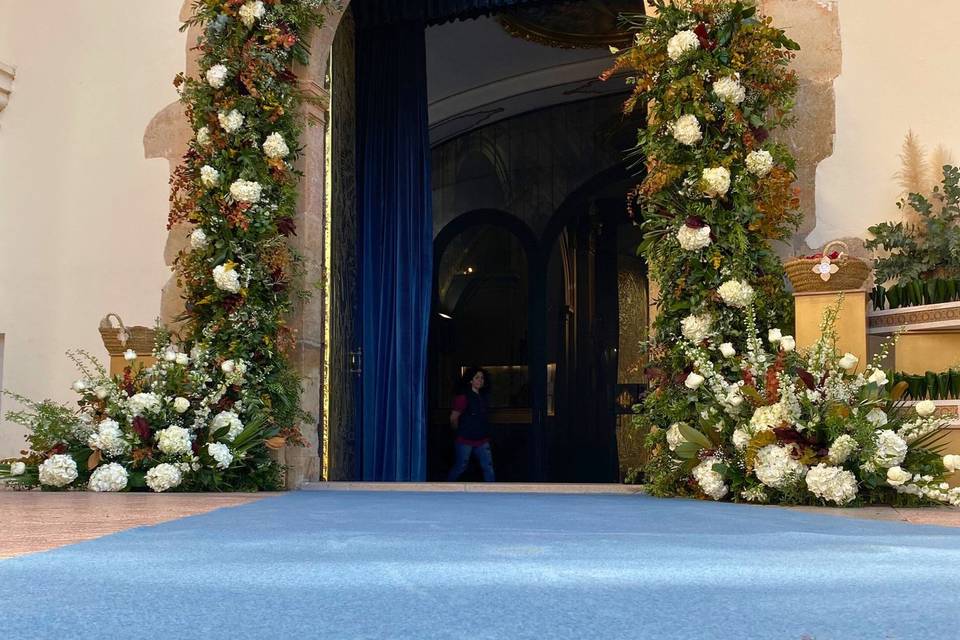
(776, 425)
(237, 186)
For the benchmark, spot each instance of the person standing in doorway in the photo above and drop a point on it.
(469, 418)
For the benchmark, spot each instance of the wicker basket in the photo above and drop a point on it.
(118, 339)
(851, 272)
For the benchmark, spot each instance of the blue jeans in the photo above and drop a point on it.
(484, 457)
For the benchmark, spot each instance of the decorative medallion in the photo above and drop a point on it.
(825, 268)
(590, 24)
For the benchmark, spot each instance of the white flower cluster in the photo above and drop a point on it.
(686, 130)
(696, 328)
(226, 278)
(681, 43)
(842, 448)
(227, 419)
(217, 76)
(246, 191)
(180, 405)
(711, 482)
(776, 467)
(736, 293)
(173, 440)
(220, 453)
(198, 239)
(164, 476)
(691, 239)
(755, 494)
(891, 449)
(203, 136)
(108, 438)
(729, 90)
(230, 122)
(674, 437)
(142, 403)
(58, 470)
(759, 163)
(275, 146)
(715, 181)
(832, 484)
(250, 12)
(209, 176)
(108, 478)
(17, 468)
(767, 418)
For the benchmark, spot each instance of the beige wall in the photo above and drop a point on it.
(898, 72)
(82, 212)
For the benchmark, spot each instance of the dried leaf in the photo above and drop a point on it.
(276, 442)
(94, 460)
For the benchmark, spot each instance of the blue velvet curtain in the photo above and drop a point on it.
(396, 219)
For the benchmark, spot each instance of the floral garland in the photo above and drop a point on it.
(223, 392)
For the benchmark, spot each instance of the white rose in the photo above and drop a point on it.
(774, 336)
(180, 405)
(693, 381)
(734, 399)
(170, 355)
(108, 478)
(925, 408)
(686, 130)
(877, 417)
(209, 176)
(681, 43)
(246, 191)
(878, 377)
(198, 239)
(17, 468)
(727, 350)
(736, 293)
(952, 463)
(741, 438)
(715, 181)
(203, 136)
(691, 239)
(787, 343)
(217, 75)
(848, 361)
(163, 477)
(226, 279)
(729, 90)
(58, 471)
(228, 366)
(897, 476)
(183, 359)
(250, 12)
(275, 146)
(101, 392)
(79, 386)
(230, 122)
(129, 355)
(674, 437)
(759, 163)
(696, 328)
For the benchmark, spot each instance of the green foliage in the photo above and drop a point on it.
(933, 244)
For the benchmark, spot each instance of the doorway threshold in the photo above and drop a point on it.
(477, 487)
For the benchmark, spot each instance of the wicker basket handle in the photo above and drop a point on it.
(842, 258)
(122, 334)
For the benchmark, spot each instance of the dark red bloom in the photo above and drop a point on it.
(760, 134)
(287, 227)
(807, 378)
(142, 428)
(704, 37)
(694, 222)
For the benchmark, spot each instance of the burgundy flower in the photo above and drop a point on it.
(704, 37)
(694, 222)
(142, 428)
(287, 227)
(760, 134)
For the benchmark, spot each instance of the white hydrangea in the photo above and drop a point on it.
(173, 440)
(710, 481)
(181, 404)
(203, 136)
(842, 448)
(183, 360)
(220, 453)
(108, 478)
(226, 278)
(227, 419)
(759, 162)
(891, 449)
(58, 471)
(142, 403)
(209, 176)
(217, 75)
(776, 467)
(674, 437)
(736, 293)
(878, 377)
(686, 130)
(681, 43)
(17, 468)
(832, 484)
(691, 239)
(250, 12)
(715, 181)
(741, 438)
(768, 417)
(696, 328)
(246, 191)
(198, 239)
(108, 438)
(729, 90)
(164, 476)
(230, 122)
(275, 146)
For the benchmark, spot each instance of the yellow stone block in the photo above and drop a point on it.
(918, 353)
(851, 323)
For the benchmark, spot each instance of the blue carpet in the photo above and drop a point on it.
(453, 565)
